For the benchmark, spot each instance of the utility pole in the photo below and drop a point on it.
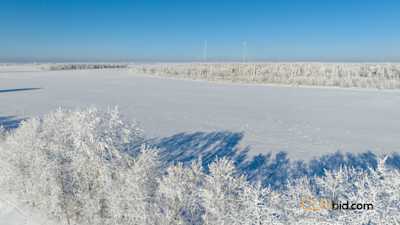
(244, 51)
(205, 49)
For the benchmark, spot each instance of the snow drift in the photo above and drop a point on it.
(79, 167)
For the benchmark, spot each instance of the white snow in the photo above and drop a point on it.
(11, 214)
(305, 122)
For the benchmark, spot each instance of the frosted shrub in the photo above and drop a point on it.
(2, 132)
(376, 191)
(66, 163)
(74, 167)
(182, 204)
(226, 196)
(231, 199)
(133, 197)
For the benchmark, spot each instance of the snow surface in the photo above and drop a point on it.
(305, 122)
(10, 214)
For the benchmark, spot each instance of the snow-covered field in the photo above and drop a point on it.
(305, 122)
(88, 177)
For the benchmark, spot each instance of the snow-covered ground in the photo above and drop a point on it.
(305, 122)
(11, 214)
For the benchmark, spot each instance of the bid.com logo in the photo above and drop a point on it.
(312, 204)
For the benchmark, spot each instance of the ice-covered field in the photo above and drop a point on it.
(305, 122)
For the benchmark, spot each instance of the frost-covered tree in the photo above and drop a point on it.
(2, 132)
(231, 199)
(134, 194)
(77, 167)
(180, 195)
(64, 163)
(377, 187)
(362, 75)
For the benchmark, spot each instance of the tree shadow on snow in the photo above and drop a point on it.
(18, 89)
(10, 122)
(187, 147)
(273, 170)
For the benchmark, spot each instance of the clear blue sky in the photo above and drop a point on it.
(338, 30)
